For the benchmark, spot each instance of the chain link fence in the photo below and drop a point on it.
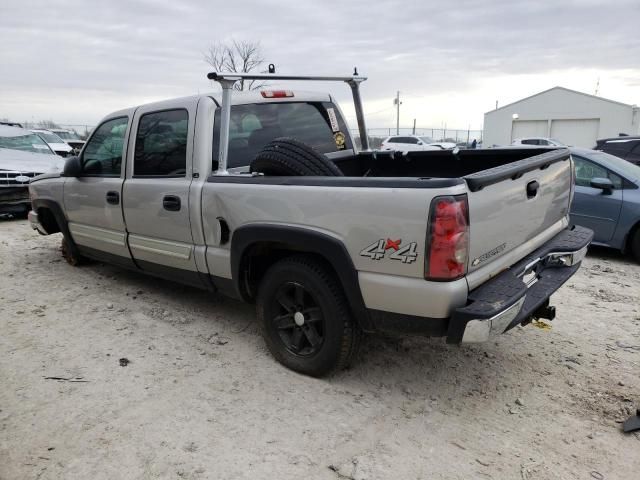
(463, 137)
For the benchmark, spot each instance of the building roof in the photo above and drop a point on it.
(559, 88)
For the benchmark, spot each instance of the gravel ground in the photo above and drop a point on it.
(109, 374)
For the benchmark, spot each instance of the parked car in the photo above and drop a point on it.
(607, 199)
(11, 124)
(327, 241)
(407, 143)
(55, 142)
(71, 138)
(538, 141)
(625, 147)
(23, 155)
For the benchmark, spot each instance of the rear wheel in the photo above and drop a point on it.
(305, 317)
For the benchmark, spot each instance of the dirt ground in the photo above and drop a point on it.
(201, 398)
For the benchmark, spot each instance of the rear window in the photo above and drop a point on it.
(253, 126)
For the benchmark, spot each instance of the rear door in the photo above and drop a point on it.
(591, 207)
(93, 200)
(156, 190)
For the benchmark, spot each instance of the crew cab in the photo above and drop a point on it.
(264, 197)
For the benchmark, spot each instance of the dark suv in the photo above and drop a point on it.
(624, 147)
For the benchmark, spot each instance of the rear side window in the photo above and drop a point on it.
(253, 126)
(161, 144)
(103, 154)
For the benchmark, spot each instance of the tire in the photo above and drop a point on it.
(73, 259)
(635, 245)
(290, 157)
(305, 317)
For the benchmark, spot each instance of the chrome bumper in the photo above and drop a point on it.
(521, 292)
(35, 224)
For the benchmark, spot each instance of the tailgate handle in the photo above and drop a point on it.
(532, 189)
(171, 203)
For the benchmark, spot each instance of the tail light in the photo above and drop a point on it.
(448, 238)
(276, 93)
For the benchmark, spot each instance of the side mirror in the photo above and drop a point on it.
(420, 143)
(603, 184)
(72, 167)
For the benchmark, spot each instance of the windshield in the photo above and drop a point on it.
(50, 137)
(625, 168)
(426, 139)
(26, 143)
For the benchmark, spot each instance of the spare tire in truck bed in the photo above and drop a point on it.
(290, 157)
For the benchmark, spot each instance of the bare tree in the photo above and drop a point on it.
(238, 57)
(47, 124)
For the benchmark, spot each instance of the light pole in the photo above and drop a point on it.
(397, 103)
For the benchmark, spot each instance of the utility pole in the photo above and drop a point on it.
(397, 103)
(414, 126)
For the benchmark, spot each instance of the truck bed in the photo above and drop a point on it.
(441, 164)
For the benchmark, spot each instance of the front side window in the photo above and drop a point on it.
(530, 141)
(103, 154)
(161, 144)
(586, 171)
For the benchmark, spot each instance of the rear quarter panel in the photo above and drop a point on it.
(357, 216)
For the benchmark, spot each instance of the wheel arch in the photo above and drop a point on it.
(626, 246)
(256, 247)
(54, 214)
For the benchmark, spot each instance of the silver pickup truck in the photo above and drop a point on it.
(263, 196)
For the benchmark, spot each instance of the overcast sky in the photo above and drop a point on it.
(75, 61)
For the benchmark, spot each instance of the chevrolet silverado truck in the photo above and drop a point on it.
(263, 196)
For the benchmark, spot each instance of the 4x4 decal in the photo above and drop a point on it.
(377, 250)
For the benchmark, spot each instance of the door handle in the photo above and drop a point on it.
(171, 203)
(113, 198)
(532, 189)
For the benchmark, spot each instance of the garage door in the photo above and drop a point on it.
(529, 128)
(577, 133)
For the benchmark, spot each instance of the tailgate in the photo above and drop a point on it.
(516, 207)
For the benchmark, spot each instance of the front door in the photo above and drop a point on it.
(592, 207)
(156, 191)
(93, 200)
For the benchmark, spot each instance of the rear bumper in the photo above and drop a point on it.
(522, 292)
(513, 297)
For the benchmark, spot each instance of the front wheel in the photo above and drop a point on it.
(305, 317)
(73, 258)
(635, 245)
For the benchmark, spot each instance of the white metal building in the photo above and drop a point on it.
(574, 118)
